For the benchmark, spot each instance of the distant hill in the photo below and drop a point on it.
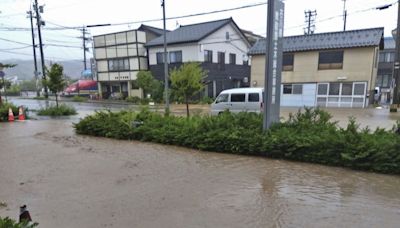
(24, 69)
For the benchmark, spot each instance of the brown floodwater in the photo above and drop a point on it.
(68, 180)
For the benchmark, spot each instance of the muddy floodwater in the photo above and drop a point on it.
(77, 181)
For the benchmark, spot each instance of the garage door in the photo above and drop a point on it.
(342, 94)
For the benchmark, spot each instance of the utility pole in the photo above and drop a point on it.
(344, 15)
(85, 49)
(165, 62)
(39, 24)
(34, 54)
(310, 21)
(396, 70)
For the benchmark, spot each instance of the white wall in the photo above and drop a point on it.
(300, 100)
(217, 42)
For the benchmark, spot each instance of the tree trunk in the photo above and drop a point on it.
(57, 100)
(187, 106)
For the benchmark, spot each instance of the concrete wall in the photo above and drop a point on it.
(358, 65)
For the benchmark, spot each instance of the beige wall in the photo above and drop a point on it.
(358, 65)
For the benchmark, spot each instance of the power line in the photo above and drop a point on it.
(10, 49)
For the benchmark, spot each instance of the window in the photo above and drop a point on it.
(254, 97)
(383, 80)
(287, 62)
(287, 89)
(227, 35)
(118, 64)
(134, 84)
(334, 88)
(322, 89)
(293, 89)
(245, 62)
(208, 56)
(347, 89)
(160, 57)
(330, 60)
(221, 60)
(222, 98)
(359, 89)
(386, 57)
(175, 57)
(232, 59)
(238, 97)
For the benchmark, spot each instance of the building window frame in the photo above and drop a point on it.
(232, 58)
(208, 56)
(288, 62)
(330, 60)
(118, 64)
(175, 57)
(160, 57)
(292, 89)
(221, 60)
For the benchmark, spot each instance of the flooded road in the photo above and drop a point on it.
(77, 181)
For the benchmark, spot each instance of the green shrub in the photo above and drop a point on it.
(40, 98)
(77, 98)
(135, 99)
(206, 100)
(62, 110)
(4, 111)
(308, 136)
(10, 223)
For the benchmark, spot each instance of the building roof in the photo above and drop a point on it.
(157, 31)
(389, 43)
(331, 40)
(191, 33)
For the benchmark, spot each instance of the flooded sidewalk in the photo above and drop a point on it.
(68, 180)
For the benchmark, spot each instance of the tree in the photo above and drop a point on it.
(55, 81)
(145, 81)
(2, 82)
(187, 81)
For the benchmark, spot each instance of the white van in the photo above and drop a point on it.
(239, 100)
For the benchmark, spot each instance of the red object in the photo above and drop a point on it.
(10, 115)
(21, 115)
(81, 85)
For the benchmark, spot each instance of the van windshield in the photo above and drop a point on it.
(222, 98)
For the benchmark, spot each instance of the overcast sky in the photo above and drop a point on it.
(87, 12)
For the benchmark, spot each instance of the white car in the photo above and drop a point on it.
(239, 100)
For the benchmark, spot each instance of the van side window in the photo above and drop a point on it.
(254, 97)
(222, 98)
(238, 97)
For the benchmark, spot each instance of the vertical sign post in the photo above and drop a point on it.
(273, 63)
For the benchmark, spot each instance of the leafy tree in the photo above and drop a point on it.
(11, 223)
(55, 81)
(157, 91)
(145, 81)
(187, 81)
(2, 82)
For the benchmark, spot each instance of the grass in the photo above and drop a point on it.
(62, 110)
(79, 99)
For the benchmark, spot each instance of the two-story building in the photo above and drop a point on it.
(119, 57)
(385, 70)
(335, 69)
(220, 46)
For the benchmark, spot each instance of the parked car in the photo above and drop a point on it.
(239, 100)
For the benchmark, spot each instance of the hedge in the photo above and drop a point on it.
(308, 136)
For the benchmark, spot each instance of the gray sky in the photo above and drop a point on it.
(87, 12)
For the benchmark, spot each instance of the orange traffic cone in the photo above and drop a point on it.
(10, 115)
(21, 115)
